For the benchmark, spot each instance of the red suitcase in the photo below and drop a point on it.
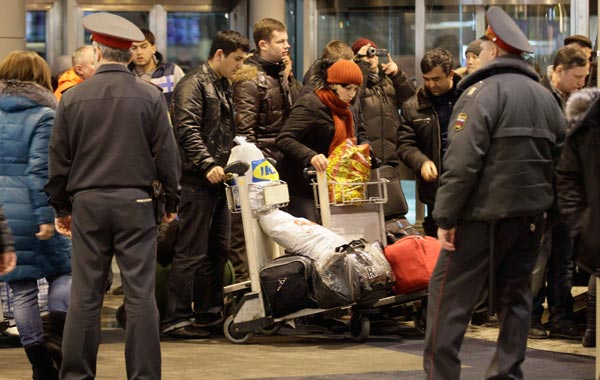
(412, 259)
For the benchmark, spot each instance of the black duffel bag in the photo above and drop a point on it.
(287, 284)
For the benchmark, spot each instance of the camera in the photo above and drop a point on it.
(372, 52)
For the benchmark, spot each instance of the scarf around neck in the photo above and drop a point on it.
(342, 117)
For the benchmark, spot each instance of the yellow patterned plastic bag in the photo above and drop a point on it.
(349, 166)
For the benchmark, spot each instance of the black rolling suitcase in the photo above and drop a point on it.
(287, 283)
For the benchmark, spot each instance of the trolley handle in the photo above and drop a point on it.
(236, 167)
(309, 172)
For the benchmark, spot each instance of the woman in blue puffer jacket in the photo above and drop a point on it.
(27, 108)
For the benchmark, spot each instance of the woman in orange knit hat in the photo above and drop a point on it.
(318, 122)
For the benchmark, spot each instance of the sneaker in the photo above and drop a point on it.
(537, 331)
(565, 330)
(589, 338)
(188, 332)
(208, 320)
(11, 331)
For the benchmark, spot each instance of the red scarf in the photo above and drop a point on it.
(342, 117)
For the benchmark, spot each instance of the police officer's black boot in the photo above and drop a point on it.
(54, 325)
(41, 362)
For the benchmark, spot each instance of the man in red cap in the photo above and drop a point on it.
(111, 142)
(386, 88)
(495, 188)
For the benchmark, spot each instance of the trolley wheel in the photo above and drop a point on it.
(121, 316)
(271, 329)
(235, 337)
(419, 318)
(360, 327)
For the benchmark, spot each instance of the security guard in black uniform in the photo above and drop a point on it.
(111, 139)
(496, 185)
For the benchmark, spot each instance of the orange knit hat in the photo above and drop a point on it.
(344, 72)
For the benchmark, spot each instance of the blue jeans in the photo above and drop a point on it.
(26, 309)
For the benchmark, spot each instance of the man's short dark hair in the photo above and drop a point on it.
(265, 27)
(228, 41)
(149, 36)
(437, 57)
(569, 57)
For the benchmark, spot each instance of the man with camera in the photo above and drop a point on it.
(386, 88)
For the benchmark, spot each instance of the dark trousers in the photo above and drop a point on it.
(559, 277)
(107, 222)
(303, 207)
(237, 250)
(429, 225)
(457, 282)
(201, 253)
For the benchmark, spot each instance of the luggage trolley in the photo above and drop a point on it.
(246, 311)
(364, 217)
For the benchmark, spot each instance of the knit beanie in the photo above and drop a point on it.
(474, 47)
(344, 72)
(360, 43)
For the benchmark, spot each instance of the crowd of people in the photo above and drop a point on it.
(125, 140)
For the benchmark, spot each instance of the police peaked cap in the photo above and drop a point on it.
(113, 31)
(505, 33)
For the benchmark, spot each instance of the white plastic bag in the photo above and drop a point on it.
(299, 235)
(260, 169)
(260, 174)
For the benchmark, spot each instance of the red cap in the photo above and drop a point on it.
(360, 43)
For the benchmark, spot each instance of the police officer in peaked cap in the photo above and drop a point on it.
(503, 31)
(111, 141)
(490, 207)
(112, 30)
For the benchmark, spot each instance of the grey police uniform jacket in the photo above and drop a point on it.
(112, 131)
(502, 137)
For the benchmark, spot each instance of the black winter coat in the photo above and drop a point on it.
(262, 101)
(578, 186)
(419, 139)
(307, 132)
(203, 123)
(381, 101)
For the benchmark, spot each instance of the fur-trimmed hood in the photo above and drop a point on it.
(18, 95)
(317, 73)
(255, 63)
